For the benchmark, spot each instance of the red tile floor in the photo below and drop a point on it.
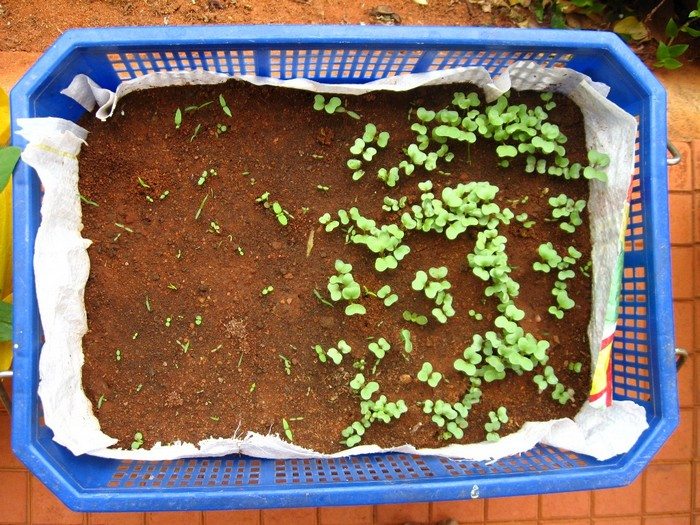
(667, 493)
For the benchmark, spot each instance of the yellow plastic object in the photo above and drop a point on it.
(5, 231)
(4, 118)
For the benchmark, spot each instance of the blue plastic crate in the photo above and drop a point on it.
(643, 361)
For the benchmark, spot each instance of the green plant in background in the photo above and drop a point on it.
(667, 53)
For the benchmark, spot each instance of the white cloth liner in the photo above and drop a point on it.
(62, 266)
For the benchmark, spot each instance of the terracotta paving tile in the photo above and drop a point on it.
(680, 176)
(363, 515)
(667, 488)
(13, 497)
(695, 147)
(466, 511)
(628, 520)
(681, 217)
(518, 522)
(47, 509)
(695, 217)
(696, 468)
(305, 516)
(683, 313)
(7, 458)
(686, 381)
(620, 501)
(401, 513)
(680, 445)
(567, 521)
(117, 518)
(173, 518)
(566, 505)
(231, 517)
(668, 520)
(682, 270)
(696, 264)
(522, 507)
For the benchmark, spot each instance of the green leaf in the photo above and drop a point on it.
(332, 105)
(5, 321)
(355, 309)
(671, 28)
(319, 102)
(8, 159)
(668, 63)
(695, 33)
(677, 50)
(662, 51)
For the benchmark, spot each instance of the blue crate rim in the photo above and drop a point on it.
(619, 472)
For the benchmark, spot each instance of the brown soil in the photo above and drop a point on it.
(277, 143)
(32, 25)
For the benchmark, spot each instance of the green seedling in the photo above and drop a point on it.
(597, 162)
(101, 401)
(385, 294)
(88, 201)
(475, 315)
(321, 187)
(575, 367)
(287, 364)
(369, 390)
(168, 321)
(435, 289)
(185, 346)
(394, 204)
(470, 357)
(562, 394)
(567, 211)
(252, 388)
(138, 441)
(148, 304)
(198, 320)
(413, 317)
(224, 106)
(178, 118)
(287, 430)
(267, 290)
(221, 128)
(406, 338)
(343, 286)
(197, 129)
(496, 419)
(214, 228)
(201, 207)
(205, 175)
(334, 105)
(118, 354)
(548, 377)
(379, 348)
(427, 375)
(321, 299)
(189, 109)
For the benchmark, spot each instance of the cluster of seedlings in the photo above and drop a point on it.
(517, 131)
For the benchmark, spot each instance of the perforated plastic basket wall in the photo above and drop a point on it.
(643, 352)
